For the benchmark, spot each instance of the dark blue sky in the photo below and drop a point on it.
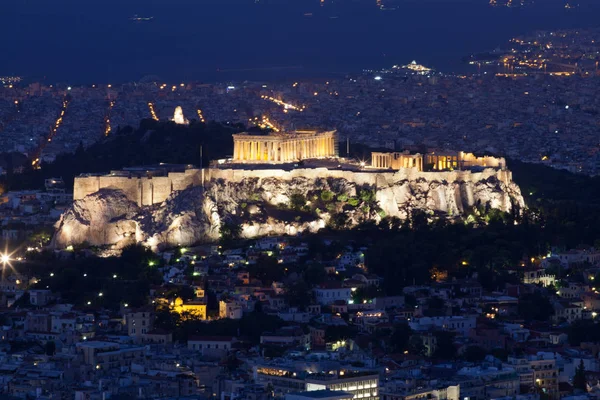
(89, 41)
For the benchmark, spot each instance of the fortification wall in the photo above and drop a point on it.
(144, 191)
(376, 179)
(85, 185)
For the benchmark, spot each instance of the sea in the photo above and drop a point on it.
(99, 41)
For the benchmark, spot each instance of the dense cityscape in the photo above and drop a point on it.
(398, 234)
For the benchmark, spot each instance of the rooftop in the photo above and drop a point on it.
(322, 394)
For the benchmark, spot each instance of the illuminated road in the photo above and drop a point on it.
(152, 111)
(286, 106)
(36, 158)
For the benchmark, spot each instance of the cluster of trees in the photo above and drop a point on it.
(249, 327)
(103, 282)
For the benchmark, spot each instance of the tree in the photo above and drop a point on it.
(474, 354)
(535, 307)
(297, 201)
(416, 346)
(315, 274)
(436, 307)
(339, 221)
(445, 345)
(50, 348)
(326, 195)
(579, 380)
(335, 333)
(267, 269)
(298, 294)
(229, 232)
(400, 337)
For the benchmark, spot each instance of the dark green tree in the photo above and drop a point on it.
(535, 307)
(399, 340)
(579, 380)
(50, 348)
(445, 345)
(474, 354)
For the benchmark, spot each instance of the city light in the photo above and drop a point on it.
(152, 111)
(36, 162)
(107, 127)
(200, 116)
(5, 258)
(286, 106)
(264, 123)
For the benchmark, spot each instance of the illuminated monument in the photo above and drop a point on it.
(434, 161)
(283, 147)
(167, 205)
(178, 117)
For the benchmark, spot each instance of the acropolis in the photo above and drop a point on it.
(167, 205)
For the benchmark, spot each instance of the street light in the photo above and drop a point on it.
(5, 258)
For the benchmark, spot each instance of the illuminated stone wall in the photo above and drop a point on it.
(438, 161)
(144, 191)
(376, 179)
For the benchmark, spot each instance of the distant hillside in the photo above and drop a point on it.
(539, 182)
(153, 142)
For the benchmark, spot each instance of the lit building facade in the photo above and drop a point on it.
(397, 160)
(193, 308)
(434, 161)
(283, 147)
(139, 322)
(359, 384)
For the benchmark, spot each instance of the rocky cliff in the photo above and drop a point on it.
(280, 203)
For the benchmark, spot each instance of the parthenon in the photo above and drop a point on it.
(283, 146)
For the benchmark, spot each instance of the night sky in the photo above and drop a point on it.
(88, 41)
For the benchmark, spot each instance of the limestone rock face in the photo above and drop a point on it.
(260, 205)
(106, 216)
